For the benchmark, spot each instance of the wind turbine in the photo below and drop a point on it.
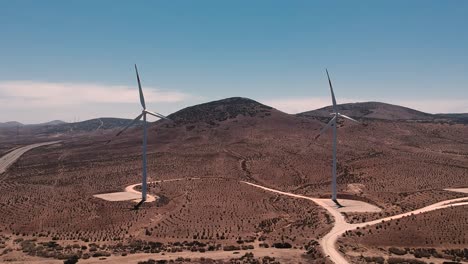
(143, 114)
(332, 123)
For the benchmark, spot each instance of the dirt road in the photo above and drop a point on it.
(150, 198)
(283, 255)
(340, 226)
(328, 242)
(286, 255)
(8, 159)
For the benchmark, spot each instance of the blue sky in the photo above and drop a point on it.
(74, 59)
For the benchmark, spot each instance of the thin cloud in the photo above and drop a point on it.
(303, 104)
(50, 94)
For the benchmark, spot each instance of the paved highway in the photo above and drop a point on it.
(8, 159)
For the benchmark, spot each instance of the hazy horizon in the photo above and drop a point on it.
(317, 101)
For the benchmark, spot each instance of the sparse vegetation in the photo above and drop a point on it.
(47, 195)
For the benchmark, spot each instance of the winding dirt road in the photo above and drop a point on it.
(150, 198)
(328, 242)
(8, 159)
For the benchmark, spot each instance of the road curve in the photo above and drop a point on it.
(150, 198)
(8, 159)
(328, 242)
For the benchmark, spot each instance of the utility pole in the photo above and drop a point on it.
(17, 134)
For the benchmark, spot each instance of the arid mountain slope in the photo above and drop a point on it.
(373, 110)
(10, 124)
(59, 128)
(18, 124)
(221, 110)
(396, 165)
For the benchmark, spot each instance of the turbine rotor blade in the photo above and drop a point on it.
(347, 117)
(142, 98)
(324, 129)
(157, 115)
(332, 93)
(126, 127)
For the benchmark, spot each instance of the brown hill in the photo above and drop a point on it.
(228, 121)
(373, 110)
(396, 165)
(221, 110)
(10, 124)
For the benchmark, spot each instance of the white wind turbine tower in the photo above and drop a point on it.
(332, 123)
(143, 114)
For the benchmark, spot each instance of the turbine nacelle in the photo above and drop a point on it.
(143, 111)
(335, 113)
(332, 122)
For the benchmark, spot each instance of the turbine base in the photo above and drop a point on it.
(337, 203)
(137, 206)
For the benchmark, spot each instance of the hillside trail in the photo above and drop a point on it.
(328, 242)
(340, 226)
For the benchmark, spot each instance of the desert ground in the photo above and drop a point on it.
(235, 176)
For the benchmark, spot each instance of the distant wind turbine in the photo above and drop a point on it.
(332, 123)
(143, 114)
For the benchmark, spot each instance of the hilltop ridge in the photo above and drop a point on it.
(221, 110)
(375, 110)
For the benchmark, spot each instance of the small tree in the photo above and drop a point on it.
(72, 260)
